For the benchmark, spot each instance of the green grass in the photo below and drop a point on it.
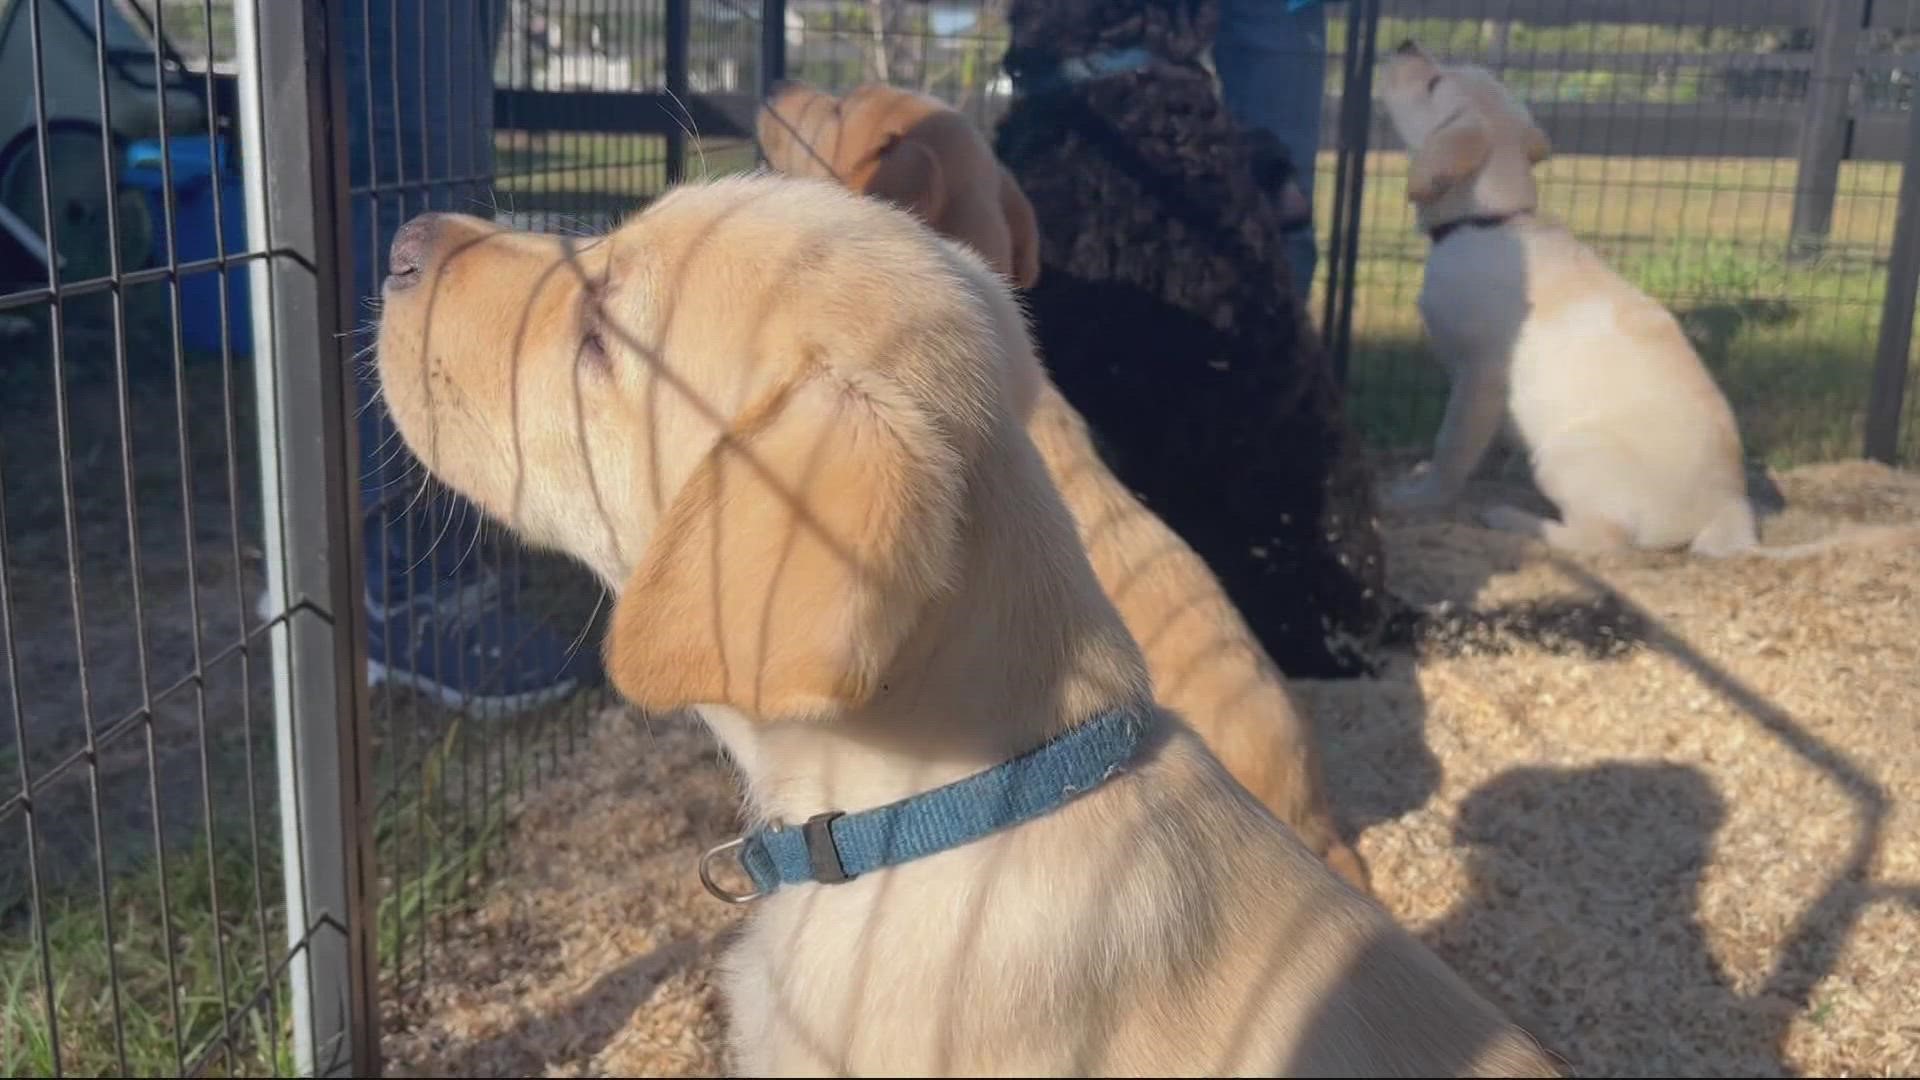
(1598, 38)
(85, 995)
(1791, 343)
(430, 861)
(441, 852)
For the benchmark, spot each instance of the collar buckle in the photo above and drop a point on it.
(822, 853)
(732, 847)
(1017, 790)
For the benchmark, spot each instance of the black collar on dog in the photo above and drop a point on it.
(1479, 221)
(1035, 72)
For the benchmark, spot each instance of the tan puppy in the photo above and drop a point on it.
(921, 154)
(776, 418)
(1627, 433)
(910, 149)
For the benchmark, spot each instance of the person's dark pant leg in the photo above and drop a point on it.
(1272, 64)
(420, 116)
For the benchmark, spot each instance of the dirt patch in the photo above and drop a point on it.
(129, 608)
(1676, 825)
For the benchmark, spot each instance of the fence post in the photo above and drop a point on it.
(1886, 399)
(679, 44)
(1826, 127)
(773, 44)
(295, 155)
(1356, 125)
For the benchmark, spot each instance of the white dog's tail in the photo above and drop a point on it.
(1861, 536)
(1730, 532)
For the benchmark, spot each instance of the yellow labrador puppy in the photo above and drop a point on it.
(921, 154)
(776, 417)
(1626, 431)
(913, 150)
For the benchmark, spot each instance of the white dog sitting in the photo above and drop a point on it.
(1626, 432)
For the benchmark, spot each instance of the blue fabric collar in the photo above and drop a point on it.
(1066, 71)
(834, 847)
(1101, 64)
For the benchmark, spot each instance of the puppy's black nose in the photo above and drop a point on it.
(1408, 47)
(412, 250)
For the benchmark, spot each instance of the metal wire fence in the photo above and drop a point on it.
(480, 652)
(1742, 161)
(139, 862)
(270, 696)
(198, 576)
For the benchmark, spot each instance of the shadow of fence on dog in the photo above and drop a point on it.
(569, 267)
(1527, 817)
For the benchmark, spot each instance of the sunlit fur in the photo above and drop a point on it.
(787, 439)
(1205, 663)
(1625, 429)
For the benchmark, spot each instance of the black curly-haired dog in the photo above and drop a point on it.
(1164, 311)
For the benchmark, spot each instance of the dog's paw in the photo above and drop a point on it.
(1417, 492)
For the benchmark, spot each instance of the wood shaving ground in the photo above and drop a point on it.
(1664, 810)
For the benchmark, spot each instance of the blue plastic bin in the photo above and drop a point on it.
(194, 174)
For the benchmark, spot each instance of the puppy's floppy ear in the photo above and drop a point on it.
(797, 558)
(908, 174)
(1022, 229)
(1449, 156)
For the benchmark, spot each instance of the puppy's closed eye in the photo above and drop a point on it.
(593, 349)
(593, 334)
(1433, 82)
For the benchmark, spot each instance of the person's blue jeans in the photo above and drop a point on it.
(420, 137)
(1272, 64)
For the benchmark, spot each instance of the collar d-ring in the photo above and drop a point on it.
(720, 891)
